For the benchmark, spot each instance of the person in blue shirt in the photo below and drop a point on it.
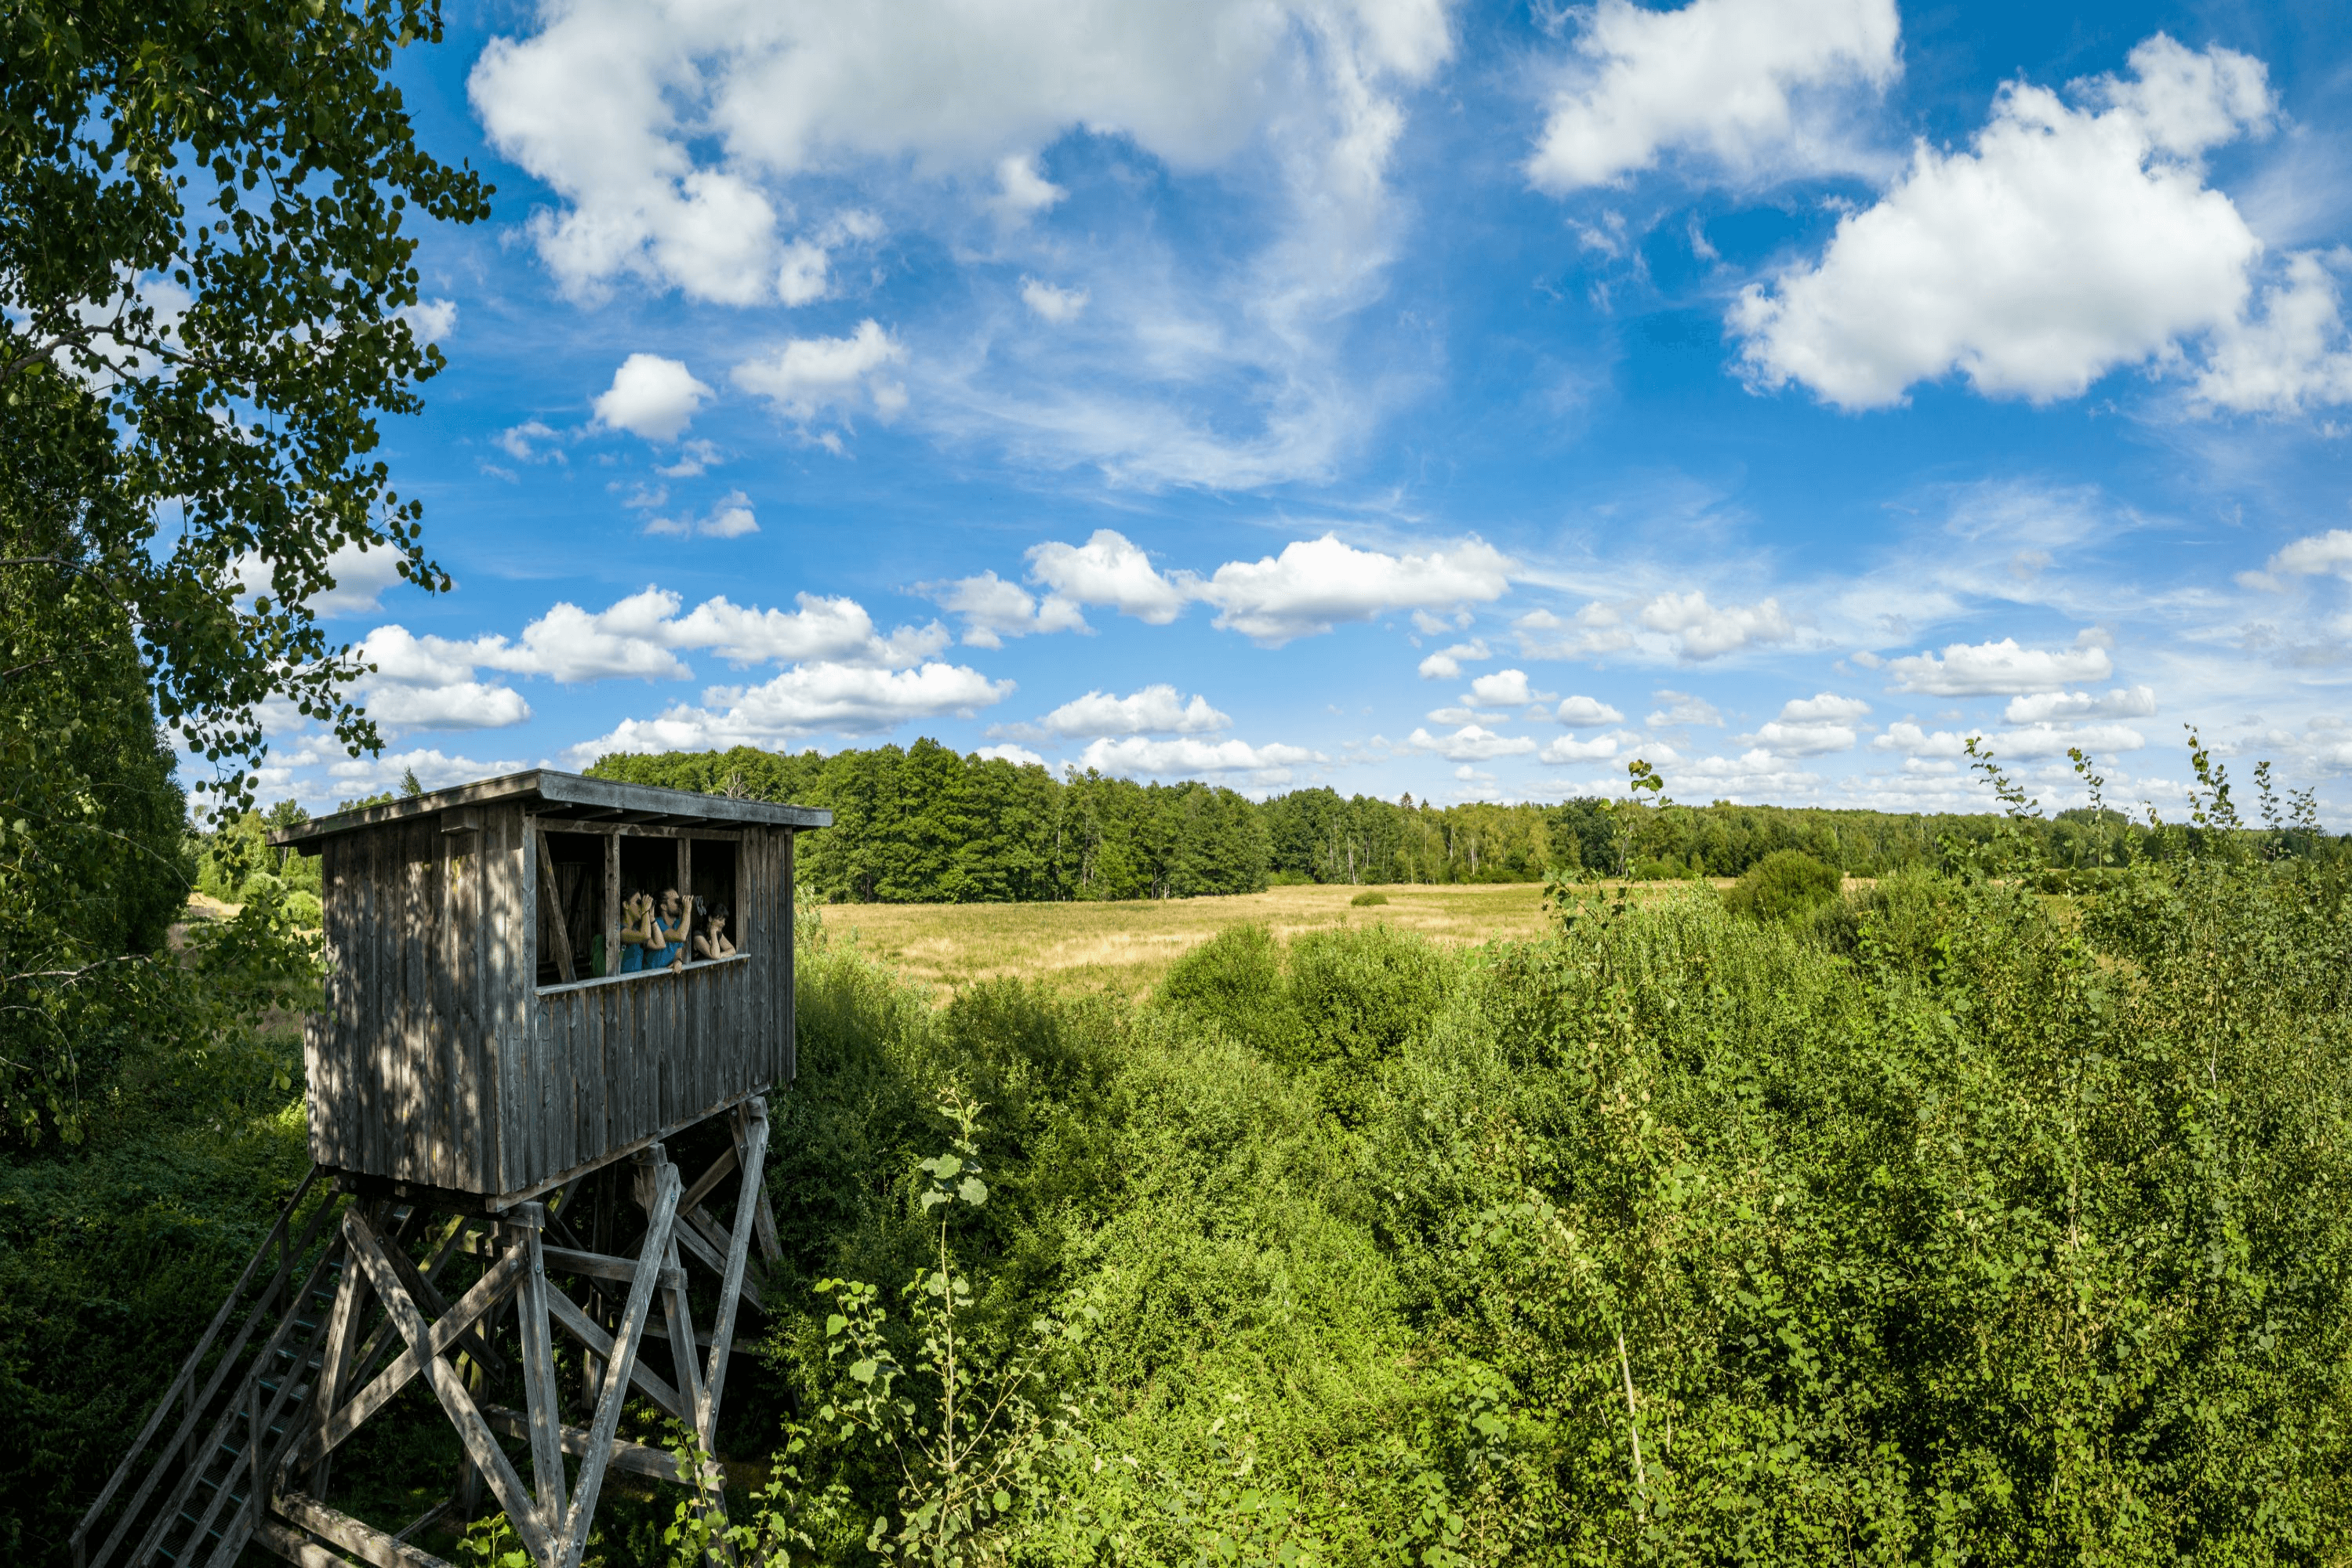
(674, 927)
(637, 933)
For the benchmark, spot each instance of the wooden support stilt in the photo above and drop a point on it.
(722, 1333)
(770, 1249)
(678, 1311)
(336, 1354)
(449, 1388)
(583, 1510)
(538, 1365)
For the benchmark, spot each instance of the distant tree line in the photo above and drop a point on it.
(925, 824)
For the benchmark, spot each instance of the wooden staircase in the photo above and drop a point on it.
(184, 1495)
(342, 1306)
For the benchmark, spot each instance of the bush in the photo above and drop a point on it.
(1234, 981)
(1366, 899)
(1784, 886)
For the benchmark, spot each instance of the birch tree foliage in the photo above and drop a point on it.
(206, 248)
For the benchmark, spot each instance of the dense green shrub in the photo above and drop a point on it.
(1366, 901)
(1785, 884)
(1998, 1232)
(1234, 981)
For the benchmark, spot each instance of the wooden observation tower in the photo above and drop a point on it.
(496, 1084)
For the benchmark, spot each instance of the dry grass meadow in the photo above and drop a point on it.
(1128, 947)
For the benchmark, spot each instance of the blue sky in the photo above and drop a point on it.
(1397, 396)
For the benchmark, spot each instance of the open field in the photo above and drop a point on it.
(1128, 947)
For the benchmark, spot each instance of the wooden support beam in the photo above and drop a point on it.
(551, 900)
(538, 1365)
(770, 1247)
(453, 1326)
(722, 1334)
(695, 1403)
(711, 1178)
(335, 1354)
(635, 1458)
(613, 904)
(596, 1455)
(450, 1389)
(583, 1327)
(678, 1312)
(364, 1541)
(711, 1244)
(476, 1342)
(593, 1265)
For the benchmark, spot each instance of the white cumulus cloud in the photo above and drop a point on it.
(1134, 756)
(431, 321)
(994, 609)
(1699, 630)
(1314, 584)
(732, 517)
(2317, 553)
(2122, 702)
(1568, 749)
(2291, 355)
(1446, 663)
(1055, 305)
(667, 128)
(1111, 569)
(1596, 630)
(465, 705)
(651, 397)
(806, 699)
(1682, 707)
(1471, 743)
(1811, 727)
(1155, 710)
(810, 376)
(1583, 712)
(1505, 688)
(1753, 86)
(360, 574)
(1993, 668)
(2065, 242)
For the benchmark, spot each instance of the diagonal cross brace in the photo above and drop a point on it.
(450, 1389)
(488, 1293)
(567, 1315)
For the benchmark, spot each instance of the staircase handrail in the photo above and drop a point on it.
(180, 1385)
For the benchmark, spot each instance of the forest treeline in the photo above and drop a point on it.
(926, 824)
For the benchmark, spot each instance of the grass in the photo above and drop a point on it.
(1126, 947)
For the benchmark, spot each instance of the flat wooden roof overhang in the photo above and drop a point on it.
(559, 798)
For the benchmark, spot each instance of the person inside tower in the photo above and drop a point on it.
(636, 935)
(675, 926)
(712, 941)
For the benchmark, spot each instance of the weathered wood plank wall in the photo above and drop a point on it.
(436, 1059)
